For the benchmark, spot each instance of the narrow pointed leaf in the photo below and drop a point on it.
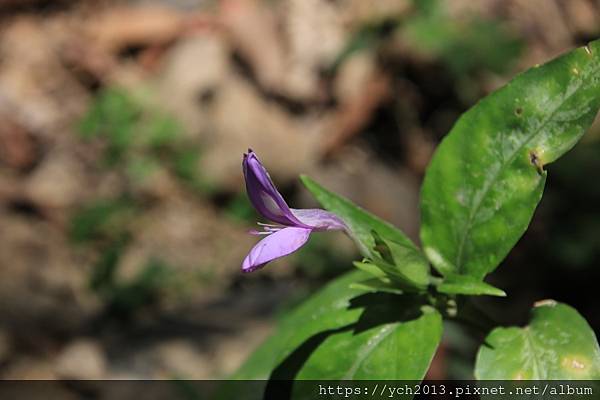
(487, 176)
(372, 269)
(360, 222)
(405, 264)
(375, 285)
(410, 264)
(557, 344)
(464, 284)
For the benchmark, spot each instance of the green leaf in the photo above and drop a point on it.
(375, 270)
(406, 265)
(346, 333)
(375, 285)
(557, 344)
(361, 223)
(486, 177)
(464, 284)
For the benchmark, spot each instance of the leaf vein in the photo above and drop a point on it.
(489, 184)
(534, 357)
(367, 350)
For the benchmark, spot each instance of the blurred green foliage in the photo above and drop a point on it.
(136, 140)
(142, 291)
(140, 139)
(319, 259)
(101, 219)
(105, 227)
(367, 37)
(113, 115)
(239, 209)
(464, 45)
(103, 273)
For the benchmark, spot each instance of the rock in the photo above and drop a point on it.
(82, 359)
(365, 12)
(200, 248)
(243, 120)
(18, 147)
(58, 183)
(41, 282)
(360, 89)
(116, 28)
(182, 359)
(192, 92)
(248, 22)
(315, 36)
(227, 115)
(35, 86)
(230, 352)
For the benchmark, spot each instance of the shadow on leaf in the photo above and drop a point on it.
(378, 309)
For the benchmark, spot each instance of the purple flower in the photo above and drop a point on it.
(292, 227)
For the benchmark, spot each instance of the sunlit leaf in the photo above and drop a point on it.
(349, 333)
(487, 176)
(557, 344)
(373, 235)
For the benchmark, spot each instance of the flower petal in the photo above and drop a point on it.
(264, 195)
(277, 244)
(319, 219)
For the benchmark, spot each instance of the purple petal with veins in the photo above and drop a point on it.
(319, 219)
(294, 226)
(276, 245)
(263, 194)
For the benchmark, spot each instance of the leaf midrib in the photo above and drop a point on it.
(534, 357)
(502, 167)
(367, 351)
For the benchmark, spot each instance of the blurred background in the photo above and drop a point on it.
(123, 214)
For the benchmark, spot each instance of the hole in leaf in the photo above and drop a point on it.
(536, 162)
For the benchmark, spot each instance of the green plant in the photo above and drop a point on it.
(139, 138)
(479, 195)
(135, 139)
(464, 45)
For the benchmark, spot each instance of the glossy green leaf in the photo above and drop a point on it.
(465, 284)
(388, 274)
(374, 235)
(486, 177)
(347, 333)
(360, 222)
(376, 285)
(375, 270)
(557, 344)
(405, 265)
